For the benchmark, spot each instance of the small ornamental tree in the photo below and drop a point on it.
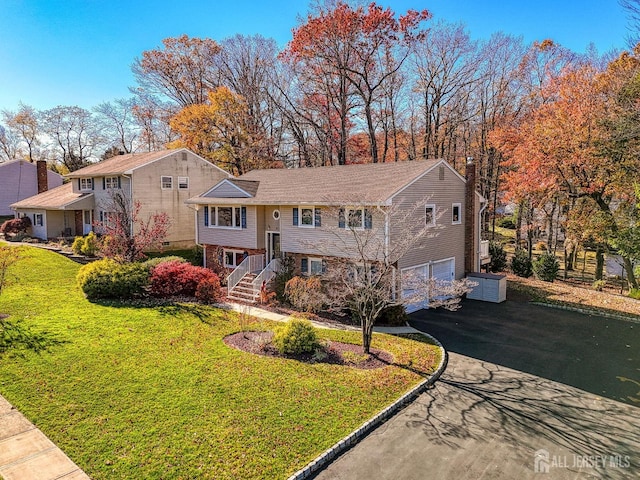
(498, 257)
(127, 236)
(521, 263)
(15, 226)
(546, 267)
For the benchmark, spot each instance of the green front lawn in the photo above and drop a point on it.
(153, 392)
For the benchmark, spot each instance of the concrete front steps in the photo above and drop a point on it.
(244, 292)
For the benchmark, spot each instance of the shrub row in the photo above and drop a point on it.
(165, 277)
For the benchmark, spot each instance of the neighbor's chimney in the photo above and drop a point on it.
(470, 216)
(43, 179)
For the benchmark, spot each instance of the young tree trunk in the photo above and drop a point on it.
(599, 262)
(628, 266)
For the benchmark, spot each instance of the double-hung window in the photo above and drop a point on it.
(308, 217)
(430, 215)
(38, 220)
(166, 182)
(111, 182)
(86, 184)
(355, 218)
(183, 183)
(455, 214)
(312, 266)
(232, 258)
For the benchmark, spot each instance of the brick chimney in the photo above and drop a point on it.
(470, 216)
(43, 179)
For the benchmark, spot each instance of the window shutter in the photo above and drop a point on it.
(79, 186)
(119, 183)
(295, 217)
(104, 183)
(101, 216)
(304, 265)
(368, 220)
(324, 266)
(318, 218)
(206, 215)
(341, 222)
(91, 180)
(243, 215)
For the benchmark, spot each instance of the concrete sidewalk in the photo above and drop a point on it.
(278, 317)
(26, 453)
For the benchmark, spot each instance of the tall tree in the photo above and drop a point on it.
(118, 124)
(74, 133)
(25, 127)
(221, 130)
(182, 70)
(356, 51)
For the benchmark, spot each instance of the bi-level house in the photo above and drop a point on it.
(247, 223)
(161, 181)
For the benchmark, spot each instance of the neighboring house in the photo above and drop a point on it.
(160, 181)
(266, 213)
(20, 179)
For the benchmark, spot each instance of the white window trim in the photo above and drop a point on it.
(313, 216)
(213, 217)
(112, 181)
(459, 221)
(185, 181)
(433, 217)
(309, 260)
(276, 214)
(346, 218)
(224, 256)
(35, 219)
(86, 181)
(162, 178)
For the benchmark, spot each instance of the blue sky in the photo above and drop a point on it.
(79, 52)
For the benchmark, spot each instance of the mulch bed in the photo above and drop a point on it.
(333, 352)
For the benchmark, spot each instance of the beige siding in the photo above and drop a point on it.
(231, 237)
(146, 189)
(329, 240)
(260, 229)
(271, 224)
(445, 240)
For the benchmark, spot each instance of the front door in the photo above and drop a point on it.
(273, 246)
(87, 221)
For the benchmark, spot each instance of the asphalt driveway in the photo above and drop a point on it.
(596, 354)
(523, 382)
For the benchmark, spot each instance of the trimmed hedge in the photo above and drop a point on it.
(109, 279)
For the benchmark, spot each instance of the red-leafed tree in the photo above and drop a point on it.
(126, 235)
(353, 52)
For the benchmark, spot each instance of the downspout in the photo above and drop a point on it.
(386, 249)
(130, 177)
(196, 209)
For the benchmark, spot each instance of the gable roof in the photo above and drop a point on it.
(31, 165)
(373, 184)
(125, 164)
(58, 198)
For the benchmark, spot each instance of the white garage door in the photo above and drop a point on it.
(441, 270)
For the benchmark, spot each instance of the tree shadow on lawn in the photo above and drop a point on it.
(529, 413)
(166, 307)
(16, 339)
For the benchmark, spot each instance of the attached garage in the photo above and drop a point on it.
(443, 270)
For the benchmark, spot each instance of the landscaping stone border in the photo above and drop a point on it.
(356, 436)
(587, 311)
